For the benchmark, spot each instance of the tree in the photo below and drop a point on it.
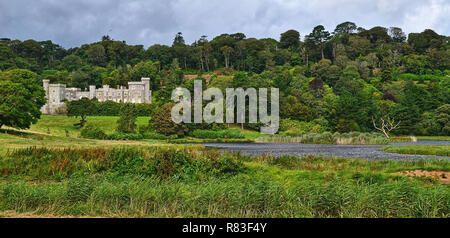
(397, 34)
(97, 55)
(442, 116)
(294, 110)
(345, 28)
(427, 39)
(72, 62)
(178, 40)
(386, 126)
(290, 39)
(161, 121)
(377, 35)
(319, 37)
(147, 69)
(127, 120)
(226, 51)
(81, 108)
(21, 98)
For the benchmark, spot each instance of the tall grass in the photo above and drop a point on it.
(439, 150)
(352, 138)
(170, 182)
(57, 164)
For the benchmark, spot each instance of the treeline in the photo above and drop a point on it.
(111, 61)
(330, 81)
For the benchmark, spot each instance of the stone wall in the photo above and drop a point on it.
(137, 92)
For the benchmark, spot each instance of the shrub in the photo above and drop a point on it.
(92, 131)
(127, 120)
(162, 162)
(161, 121)
(125, 136)
(354, 138)
(223, 134)
(153, 135)
(294, 128)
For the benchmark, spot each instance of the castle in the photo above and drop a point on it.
(56, 94)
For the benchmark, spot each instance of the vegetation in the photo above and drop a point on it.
(336, 87)
(222, 134)
(127, 120)
(440, 150)
(81, 108)
(162, 182)
(91, 131)
(335, 80)
(21, 98)
(353, 138)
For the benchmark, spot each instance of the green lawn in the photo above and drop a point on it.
(58, 124)
(440, 150)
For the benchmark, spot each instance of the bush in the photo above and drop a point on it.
(223, 134)
(125, 136)
(127, 120)
(154, 136)
(352, 138)
(294, 128)
(136, 136)
(74, 164)
(92, 131)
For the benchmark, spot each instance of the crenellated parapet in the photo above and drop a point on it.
(57, 94)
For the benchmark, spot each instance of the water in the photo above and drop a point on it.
(347, 151)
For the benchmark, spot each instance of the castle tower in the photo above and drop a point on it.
(91, 91)
(105, 93)
(147, 93)
(45, 84)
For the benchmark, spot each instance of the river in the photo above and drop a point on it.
(352, 151)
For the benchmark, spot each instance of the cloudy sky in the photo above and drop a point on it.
(72, 23)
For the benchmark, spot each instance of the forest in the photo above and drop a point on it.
(330, 81)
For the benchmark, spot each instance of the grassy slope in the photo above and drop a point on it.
(58, 124)
(441, 150)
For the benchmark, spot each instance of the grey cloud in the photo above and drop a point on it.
(72, 23)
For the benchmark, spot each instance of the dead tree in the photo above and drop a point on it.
(386, 125)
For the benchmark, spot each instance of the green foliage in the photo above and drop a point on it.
(357, 68)
(127, 120)
(21, 100)
(222, 134)
(351, 138)
(161, 122)
(92, 131)
(439, 150)
(81, 108)
(76, 163)
(168, 182)
(442, 116)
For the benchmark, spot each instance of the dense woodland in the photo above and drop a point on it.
(329, 81)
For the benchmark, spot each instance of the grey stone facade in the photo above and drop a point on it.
(137, 92)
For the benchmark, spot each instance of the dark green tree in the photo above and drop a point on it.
(161, 121)
(81, 108)
(318, 37)
(290, 39)
(128, 118)
(21, 98)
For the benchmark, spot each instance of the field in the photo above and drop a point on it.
(48, 175)
(58, 124)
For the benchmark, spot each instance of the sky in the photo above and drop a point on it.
(147, 22)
